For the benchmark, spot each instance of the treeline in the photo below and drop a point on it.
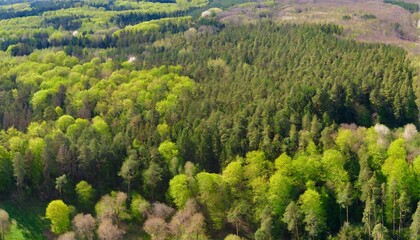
(43, 38)
(135, 17)
(412, 7)
(37, 8)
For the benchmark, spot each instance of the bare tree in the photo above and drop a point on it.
(160, 210)
(157, 228)
(113, 207)
(84, 226)
(4, 222)
(67, 236)
(108, 231)
(188, 223)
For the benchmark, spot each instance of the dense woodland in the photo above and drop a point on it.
(134, 121)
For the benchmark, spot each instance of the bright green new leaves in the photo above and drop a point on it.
(283, 164)
(279, 192)
(233, 175)
(58, 213)
(170, 151)
(314, 213)
(397, 149)
(397, 168)
(139, 207)
(179, 190)
(415, 225)
(212, 194)
(85, 194)
(334, 172)
(257, 172)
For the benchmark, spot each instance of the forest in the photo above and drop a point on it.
(156, 120)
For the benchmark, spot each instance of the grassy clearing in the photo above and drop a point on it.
(28, 216)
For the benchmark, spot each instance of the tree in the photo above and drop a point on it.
(314, 214)
(238, 215)
(4, 223)
(179, 190)
(108, 231)
(113, 207)
(6, 170)
(19, 170)
(129, 170)
(157, 228)
(264, 232)
(60, 183)
(344, 198)
(212, 195)
(170, 151)
(160, 210)
(188, 223)
(232, 237)
(59, 215)
(292, 217)
(67, 236)
(403, 210)
(415, 225)
(233, 175)
(84, 226)
(139, 207)
(380, 232)
(152, 176)
(279, 193)
(85, 194)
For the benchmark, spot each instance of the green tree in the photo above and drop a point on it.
(415, 225)
(139, 207)
(179, 190)
(212, 194)
(59, 215)
(19, 170)
(310, 204)
(233, 176)
(170, 152)
(130, 170)
(6, 170)
(279, 193)
(85, 194)
(152, 177)
(292, 217)
(380, 232)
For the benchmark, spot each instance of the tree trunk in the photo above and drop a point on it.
(129, 189)
(339, 210)
(369, 225)
(393, 215)
(400, 223)
(347, 212)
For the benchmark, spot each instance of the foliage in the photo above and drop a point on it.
(58, 213)
(244, 129)
(412, 7)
